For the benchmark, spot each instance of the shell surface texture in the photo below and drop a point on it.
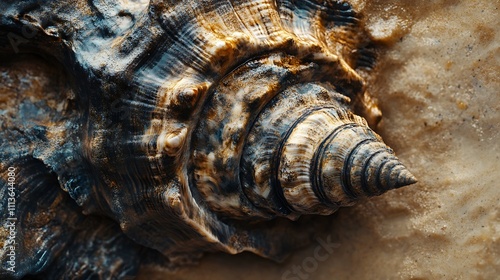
(185, 127)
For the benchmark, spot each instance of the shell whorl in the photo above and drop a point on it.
(288, 146)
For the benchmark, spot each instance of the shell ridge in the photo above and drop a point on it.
(316, 166)
(364, 175)
(378, 179)
(346, 174)
(277, 158)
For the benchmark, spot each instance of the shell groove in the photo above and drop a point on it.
(193, 126)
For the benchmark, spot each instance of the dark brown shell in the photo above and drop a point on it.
(187, 127)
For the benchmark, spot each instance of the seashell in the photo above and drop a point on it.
(188, 127)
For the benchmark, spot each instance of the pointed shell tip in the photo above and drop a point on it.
(405, 178)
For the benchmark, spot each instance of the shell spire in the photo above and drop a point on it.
(330, 158)
(345, 171)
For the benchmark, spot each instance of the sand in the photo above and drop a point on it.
(438, 86)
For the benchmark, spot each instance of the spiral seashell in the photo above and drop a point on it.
(189, 127)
